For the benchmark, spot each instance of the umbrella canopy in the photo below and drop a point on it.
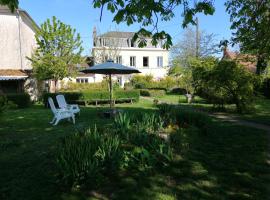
(110, 67)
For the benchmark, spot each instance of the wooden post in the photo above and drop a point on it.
(197, 38)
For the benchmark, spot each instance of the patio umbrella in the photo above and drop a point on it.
(109, 68)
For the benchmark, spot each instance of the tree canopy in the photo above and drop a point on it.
(12, 4)
(250, 22)
(58, 50)
(150, 12)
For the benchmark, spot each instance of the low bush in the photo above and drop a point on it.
(80, 87)
(22, 100)
(188, 118)
(92, 95)
(152, 93)
(85, 156)
(166, 111)
(266, 88)
(69, 96)
(3, 102)
(177, 90)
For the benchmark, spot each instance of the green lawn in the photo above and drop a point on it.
(228, 163)
(260, 114)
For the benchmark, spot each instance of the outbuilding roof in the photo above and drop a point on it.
(246, 60)
(6, 74)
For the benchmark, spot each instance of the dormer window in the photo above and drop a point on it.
(132, 43)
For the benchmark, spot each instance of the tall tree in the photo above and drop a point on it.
(58, 50)
(150, 12)
(250, 22)
(188, 47)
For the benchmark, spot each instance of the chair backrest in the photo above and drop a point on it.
(61, 101)
(51, 103)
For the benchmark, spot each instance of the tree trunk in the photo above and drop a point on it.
(261, 65)
(55, 85)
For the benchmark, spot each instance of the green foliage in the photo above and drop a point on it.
(146, 150)
(166, 112)
(82, 87)
(69, 96)
(3, 103)
(187, 118)
(250, 20)
(58, 50)
(142, 82)
(147, 82)
(129, 13)
(227, 82)
(22, 100)
(90, 95)
(152, 93)
(122, 124)
(84, 156)
(12, 4)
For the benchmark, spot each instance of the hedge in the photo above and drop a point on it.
(152, 93)
(93, 95)
(22, 100)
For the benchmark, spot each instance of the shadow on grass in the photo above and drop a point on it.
(229, 163)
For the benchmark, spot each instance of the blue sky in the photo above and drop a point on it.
(81, 15)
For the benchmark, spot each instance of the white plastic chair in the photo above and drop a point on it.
(60, 114)
(74, 108)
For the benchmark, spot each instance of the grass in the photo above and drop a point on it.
(260, 114)
(229, 163)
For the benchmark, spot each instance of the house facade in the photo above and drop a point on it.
(118, 46)
(17, 42)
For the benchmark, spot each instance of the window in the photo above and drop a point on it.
(119, 59)
(159, 61)
(82, 80)
(146, 61)
(132, 62)
(132, 43)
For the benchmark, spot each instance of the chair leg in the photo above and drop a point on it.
(51, 122)
(73, 119)
(56, 122)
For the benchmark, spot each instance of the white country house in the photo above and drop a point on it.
(150, 60)
(17, 41)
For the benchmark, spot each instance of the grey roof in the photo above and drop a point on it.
(117, 34)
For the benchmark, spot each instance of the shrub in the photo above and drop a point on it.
(69, 96)
(177, 90)
(266, 88)
(142, 82)
(166, 111)
(3, 102)
(92, 95)
(84, 156)
(80, 87)
(152, 93)
(227, 82)
(22, 100)
(122, 125)
(188, 118)
(127, 94)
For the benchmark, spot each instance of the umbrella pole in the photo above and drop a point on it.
(110, 77)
